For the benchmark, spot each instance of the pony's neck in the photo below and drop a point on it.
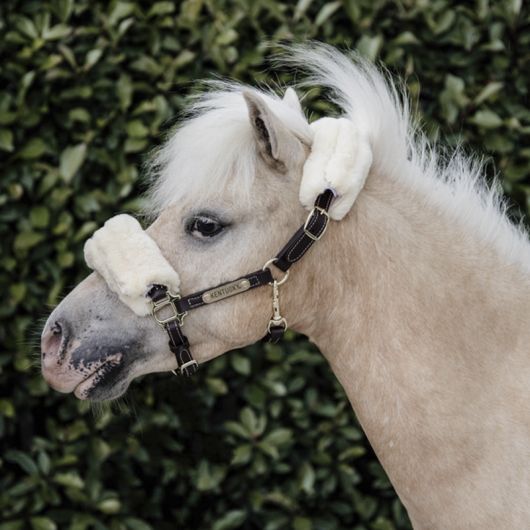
(424, 326)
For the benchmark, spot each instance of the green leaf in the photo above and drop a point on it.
(326, 12)
(6, 140)
(42, 523)
(209, 476)
(92, 57)
(147, 65)
(237, 429)
(18, 292)
(242, 454)
(26, 240)
(124, 89)
(240, 364)
(231, 519)
(70, 479)
(44, 463)
(370, 46)
(109, 506)
(301, 7)
(7, 408)
(39, 216)
(23, 460)
(136, 524)
(137, 129)
(12, 525)
(35, 148)
(217, 386)
(57, 32)
(161, 8)
(487, 119)
(488, 91)
(71, 160)
(279, 437)
(120, 11)
(302, 523)
(307, 477)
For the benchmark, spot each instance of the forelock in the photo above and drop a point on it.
(213, 148)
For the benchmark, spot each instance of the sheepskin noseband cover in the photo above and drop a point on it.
(340, 160)
(130, 262)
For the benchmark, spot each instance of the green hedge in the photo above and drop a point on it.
(263, 438)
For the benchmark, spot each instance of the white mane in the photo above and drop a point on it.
(214, 147)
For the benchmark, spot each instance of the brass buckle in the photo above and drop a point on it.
(168, 301)
(193, 362)
(318, 211)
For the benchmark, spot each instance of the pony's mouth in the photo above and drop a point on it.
(103, 376)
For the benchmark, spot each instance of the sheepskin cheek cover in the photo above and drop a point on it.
(129, 261)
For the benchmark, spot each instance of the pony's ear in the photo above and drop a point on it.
(275, 142)
(291, 98)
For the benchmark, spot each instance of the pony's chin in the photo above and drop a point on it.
(95, 389)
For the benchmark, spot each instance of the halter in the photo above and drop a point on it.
(339, 162)
(170, 309)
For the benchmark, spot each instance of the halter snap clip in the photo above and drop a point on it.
(276, 321)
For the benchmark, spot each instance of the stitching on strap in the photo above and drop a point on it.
(293, 257)
(194, 300)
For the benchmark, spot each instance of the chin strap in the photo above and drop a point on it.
(169, 310)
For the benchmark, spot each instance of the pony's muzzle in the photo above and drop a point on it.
(58, 365)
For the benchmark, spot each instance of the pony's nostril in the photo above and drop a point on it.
(57, 328)
(54, 342)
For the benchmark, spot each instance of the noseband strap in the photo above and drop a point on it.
(170, 309)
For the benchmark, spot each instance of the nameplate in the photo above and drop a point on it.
(225, 291)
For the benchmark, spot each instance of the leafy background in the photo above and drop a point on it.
(262, 438)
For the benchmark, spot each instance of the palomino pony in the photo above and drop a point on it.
(419, 298)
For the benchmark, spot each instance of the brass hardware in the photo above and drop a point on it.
(320, 211)
(225, 291)
(169, 302)
(276, 319)
(268, 266)
(193, 362)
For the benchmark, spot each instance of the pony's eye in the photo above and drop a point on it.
(203, 226)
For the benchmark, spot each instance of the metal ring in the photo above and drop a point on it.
(272, 262)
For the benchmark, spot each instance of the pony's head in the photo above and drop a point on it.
(224, 198)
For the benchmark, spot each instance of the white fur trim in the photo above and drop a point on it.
(129, 261)
(340, 159)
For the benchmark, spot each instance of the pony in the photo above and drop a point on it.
(418, 298)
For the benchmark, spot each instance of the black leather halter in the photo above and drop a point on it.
(176, 307)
